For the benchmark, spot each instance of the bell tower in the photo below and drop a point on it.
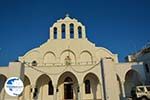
(67, 28)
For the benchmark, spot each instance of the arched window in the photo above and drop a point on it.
(71, 31)
(34, 63)
(55, 33)
(50, 88)
(79, 32)
(87, 87)
(63, 31)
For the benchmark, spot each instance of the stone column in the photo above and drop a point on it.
(67, 31)
(55, 92)
(32, 92)
(59, 33)
(80, 94)
(75, 31)
(2, 94)
(83, 32)
(51, 33)
(123, 89)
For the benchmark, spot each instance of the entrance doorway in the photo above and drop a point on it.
(68, 89)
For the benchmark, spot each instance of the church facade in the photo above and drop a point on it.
(70, 67)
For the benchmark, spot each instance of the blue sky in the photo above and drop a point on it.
(122, 26)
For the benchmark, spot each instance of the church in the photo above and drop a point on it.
(70, 67)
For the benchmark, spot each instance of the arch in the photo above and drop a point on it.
(95, 87)
(132, 79)
(105, 51)
(119, 87)
(33, 55)
(3, 78)
(79, 32)
(27, 89)
(49, 57)
(55, 33)
(32, 52)
(26, 80)
(71, 30)
(86, 56)
(42, 88)
(63, 31)
(67, 53)
(67, 81)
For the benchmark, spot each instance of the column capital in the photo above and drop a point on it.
(80, 83)
(54, 85)
(33, 86)
(122, 80)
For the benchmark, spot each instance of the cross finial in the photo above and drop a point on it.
(67, 15)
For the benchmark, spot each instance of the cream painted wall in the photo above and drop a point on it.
(97, 64)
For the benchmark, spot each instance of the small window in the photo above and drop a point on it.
(79, 32)
(87, 87)
(50, 88)
(147, 68)
(71, 31)
(55, 33)
(63, 31)
(34, 63)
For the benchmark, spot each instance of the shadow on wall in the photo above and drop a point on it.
(94, 90)
(132, 79)
(40, 90)
(94, 85)
(2, 82)
(120, 88)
